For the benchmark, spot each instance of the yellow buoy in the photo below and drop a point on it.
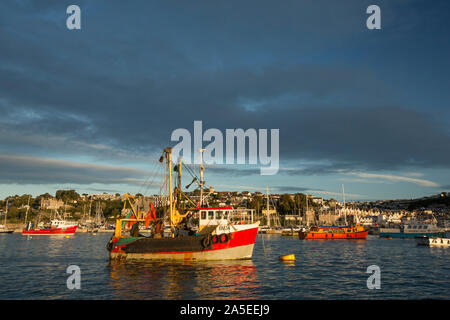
(288, 257)
(67, 236)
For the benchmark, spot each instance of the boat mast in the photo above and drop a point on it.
(168, 152)
(6, 211)
(179, 182)
(307, 210)
(343, 195)
(343, 201)
(267, 205)
(28, 208)
(202, 169)
(90, 206)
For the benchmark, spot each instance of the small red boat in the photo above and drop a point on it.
(57, 228)
(334, 233)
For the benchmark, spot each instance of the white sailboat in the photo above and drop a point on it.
(273, 221)
(3, 228)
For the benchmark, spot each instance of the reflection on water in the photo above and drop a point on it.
(35, 268)
(184, 280)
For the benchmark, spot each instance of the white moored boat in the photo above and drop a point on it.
(434, 241)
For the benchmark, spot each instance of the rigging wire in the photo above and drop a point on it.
(190, 171)
(148, 178)
(154, 175)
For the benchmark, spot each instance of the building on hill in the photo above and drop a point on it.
(103, 196)
(317, 200)
(51, 204)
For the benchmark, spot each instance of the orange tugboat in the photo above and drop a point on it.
(334, 233)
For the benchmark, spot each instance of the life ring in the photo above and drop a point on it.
(215, 239)
(205, 242)
(224, 238)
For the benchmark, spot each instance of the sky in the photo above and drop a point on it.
(92, 109)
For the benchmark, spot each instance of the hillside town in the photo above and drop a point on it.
(289, 209)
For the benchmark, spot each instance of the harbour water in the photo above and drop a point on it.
(35, 268)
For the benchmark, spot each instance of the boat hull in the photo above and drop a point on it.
(333, 236)
(408, 235)
(290, 234)
(50, 232)
(273, 232)
(235, 253)
(433, 242)
(235, 245)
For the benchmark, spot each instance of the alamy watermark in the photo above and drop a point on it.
(73, 21)
(213, 153)
(74, 280)
(374, 20)
(374, 281)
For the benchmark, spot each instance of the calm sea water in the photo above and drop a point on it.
(36, 269)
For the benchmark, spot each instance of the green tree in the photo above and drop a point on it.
(112, 208)
(286, 204)
(300, 202)
(67, 195)
(256, 203)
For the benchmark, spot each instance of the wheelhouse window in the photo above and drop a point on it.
(218, 215)
(211, 215)
(203, 213)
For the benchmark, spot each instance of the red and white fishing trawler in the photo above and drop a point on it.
(56, 228)
(199, 233)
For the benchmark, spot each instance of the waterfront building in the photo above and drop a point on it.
(51, 204)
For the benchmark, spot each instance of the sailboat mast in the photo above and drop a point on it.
(28, 207)
(6, 211)
(267, 204)
(343, 201)
(343, 195)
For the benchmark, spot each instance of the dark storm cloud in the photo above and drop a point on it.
(232, 170)
(123, 83)
(291, 189)
(32, 170)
